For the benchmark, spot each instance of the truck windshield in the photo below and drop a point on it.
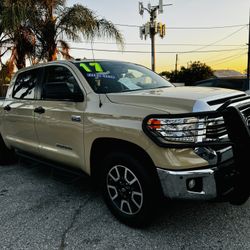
(116, 77)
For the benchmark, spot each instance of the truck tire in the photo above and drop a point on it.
(129, 190)
(7, 156)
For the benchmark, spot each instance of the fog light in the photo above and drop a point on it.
(191, 184)
(194, 184)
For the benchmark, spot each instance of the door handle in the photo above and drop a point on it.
(39, 110)
(7, 108)
(76, 118)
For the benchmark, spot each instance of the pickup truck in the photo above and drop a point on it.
(138, 136)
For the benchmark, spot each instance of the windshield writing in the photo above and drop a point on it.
(115, 77)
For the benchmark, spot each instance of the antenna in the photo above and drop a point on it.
(92, 49)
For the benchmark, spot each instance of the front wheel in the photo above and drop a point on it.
(129, 189)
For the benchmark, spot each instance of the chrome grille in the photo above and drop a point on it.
(216, 129)
(245, 111)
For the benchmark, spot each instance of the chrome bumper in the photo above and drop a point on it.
(175, 184)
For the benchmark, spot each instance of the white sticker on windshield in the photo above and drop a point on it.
(128, 82)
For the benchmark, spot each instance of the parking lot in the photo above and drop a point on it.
(46, 208)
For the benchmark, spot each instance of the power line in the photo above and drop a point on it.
(187, 28)
(222, 39)
(238, 56)
(147, 52)
(145, 44)
(223, 59)
(164, 44)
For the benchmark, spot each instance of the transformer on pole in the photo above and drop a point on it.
(151, 28)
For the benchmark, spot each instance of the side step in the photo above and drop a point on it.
(52, 164)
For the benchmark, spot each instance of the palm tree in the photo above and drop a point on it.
(3, 37)
(34, 28)
(15, 29)
(52, 20)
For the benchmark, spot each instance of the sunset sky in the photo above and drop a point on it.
(211, 31)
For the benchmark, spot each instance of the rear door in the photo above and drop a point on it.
(59, 116)
(18, 125)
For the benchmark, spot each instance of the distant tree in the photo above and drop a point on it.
(195, 72)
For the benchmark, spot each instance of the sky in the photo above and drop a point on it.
(214, 32)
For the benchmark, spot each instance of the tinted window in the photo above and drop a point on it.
(25, 84)
(238, 84)
(115, 77)
(59, 84)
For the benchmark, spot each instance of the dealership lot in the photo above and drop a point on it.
(46, 208)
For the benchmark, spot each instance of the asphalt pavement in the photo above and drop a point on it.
(45, 208)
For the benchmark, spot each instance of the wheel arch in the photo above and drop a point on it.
(101, 147)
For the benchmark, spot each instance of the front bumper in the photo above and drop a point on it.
(204, 184)
(175, 184)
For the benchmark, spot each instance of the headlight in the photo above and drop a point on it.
(177, 129)
(169, 129)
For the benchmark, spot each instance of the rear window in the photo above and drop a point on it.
(115, 77)
(26, 84)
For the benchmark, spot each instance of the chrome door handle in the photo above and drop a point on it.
(76, 118)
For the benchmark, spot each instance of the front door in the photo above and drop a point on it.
(59, 118)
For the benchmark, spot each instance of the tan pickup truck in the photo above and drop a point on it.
(137, 135)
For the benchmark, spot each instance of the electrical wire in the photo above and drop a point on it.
(199, 50)
(220, 40)
(148, 52)
(235, 57)
(164, 44)
(222, 59)
(186, 28)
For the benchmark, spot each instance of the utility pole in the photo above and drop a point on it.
(151, 28)
(152, 35)
(248, 57)
(176, 65)
(176, 62)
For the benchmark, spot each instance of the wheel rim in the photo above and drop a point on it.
(124, 190)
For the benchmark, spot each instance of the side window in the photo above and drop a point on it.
(25, 85)
(59, 84)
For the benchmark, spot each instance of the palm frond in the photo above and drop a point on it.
(77, 19)
(107, 29)
(14, 14)
(65, 50)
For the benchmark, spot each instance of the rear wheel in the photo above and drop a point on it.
(129, 190)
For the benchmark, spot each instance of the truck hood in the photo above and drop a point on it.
(176, 99)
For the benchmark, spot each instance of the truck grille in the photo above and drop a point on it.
(216, 129)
